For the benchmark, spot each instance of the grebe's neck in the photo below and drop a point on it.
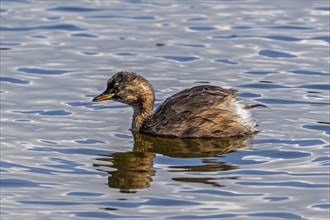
(142, 111)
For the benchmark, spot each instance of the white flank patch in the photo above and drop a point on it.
(244, 114)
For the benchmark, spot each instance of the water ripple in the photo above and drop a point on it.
(197, 19)
(260, 72)
(19, 183)
(291, 27)
(275, 54)
(301, 143)
(322, 8)
(315, 86)
(42, 71)
(146, 17)
(276, 199)
(289, 102)
(76, 193)
(249, 95)
(325, 128)
(281, 215)
(263, 86)
(226, 61)
(94, 106)
(322, 206)
(222, 193)
(74, 9)
(322, 38)
(150, 201)
(278, 215)
(322, 160)
(90, 53)
(272, 37)
(190, 45)
(126, 54)
(46, 112)
(282, 38)
(308, 72)
(282, 154)
(202, 28)
(14, 80)
(62, 27)
(180, 58)
(72, 150)
(85, 35)
(99, 214)
(90, 141)
(298, 184)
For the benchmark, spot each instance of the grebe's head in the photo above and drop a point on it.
(129, 88)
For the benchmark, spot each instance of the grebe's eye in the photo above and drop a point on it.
(118, 88)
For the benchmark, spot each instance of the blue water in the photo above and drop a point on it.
(63, 156)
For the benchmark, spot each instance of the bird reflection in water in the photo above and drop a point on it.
(133, 170)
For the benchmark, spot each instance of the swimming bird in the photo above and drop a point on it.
(199, 112)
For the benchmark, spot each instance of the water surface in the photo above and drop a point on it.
(63, 156)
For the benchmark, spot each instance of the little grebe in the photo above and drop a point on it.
(201, 111)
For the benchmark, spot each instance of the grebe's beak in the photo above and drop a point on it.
(103, 97)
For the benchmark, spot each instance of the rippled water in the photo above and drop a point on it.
(63, 156)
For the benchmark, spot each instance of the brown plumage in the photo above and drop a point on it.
(201, 111)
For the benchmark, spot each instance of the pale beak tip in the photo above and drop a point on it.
(96, 99)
